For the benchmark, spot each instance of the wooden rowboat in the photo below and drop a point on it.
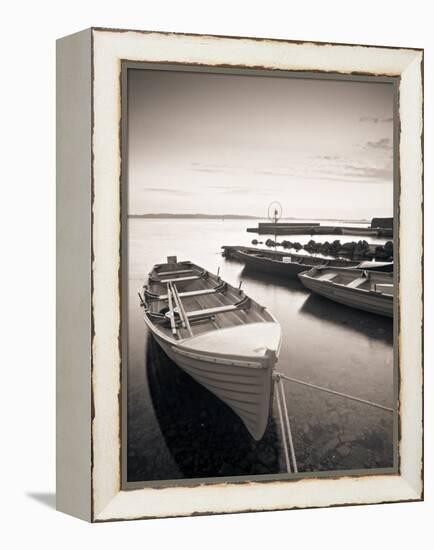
(286, 264)
(222, 338)
(361, 231)
(368, 290)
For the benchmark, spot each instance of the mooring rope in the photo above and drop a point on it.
(284, 417)
(285, 444)
(285, 425)
(333, 392)
(288, 426)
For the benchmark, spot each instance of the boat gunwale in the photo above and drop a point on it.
(249, 251)
(153, 327)
(253, 252)
(357, 290)
(301, 257)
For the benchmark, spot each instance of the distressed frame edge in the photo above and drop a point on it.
(73, 292)
(252, 38)
(409, 490)
(112, 512)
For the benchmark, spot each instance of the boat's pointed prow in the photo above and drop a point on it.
(236, 364)
(251, 340)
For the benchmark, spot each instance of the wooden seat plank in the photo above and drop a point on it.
(212, 311)
(177, 272)
(357, 282)
(192, 293)
(181, 279)
(327, 277)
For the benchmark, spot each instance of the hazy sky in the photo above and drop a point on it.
(232, 144)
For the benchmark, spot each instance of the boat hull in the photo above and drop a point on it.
(292, 269)
(247, 390)
(363, 231)
(367, 301)
(274, 267)
(217, 334)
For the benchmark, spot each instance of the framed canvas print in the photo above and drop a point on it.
(239, 274)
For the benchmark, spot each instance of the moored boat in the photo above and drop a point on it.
(367, 290)
(218, 335)
(361, 231)
(290, 265)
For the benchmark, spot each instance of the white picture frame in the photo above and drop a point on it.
(89, 155)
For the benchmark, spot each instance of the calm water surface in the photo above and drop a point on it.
(177, 429)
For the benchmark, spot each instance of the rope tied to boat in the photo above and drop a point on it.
(285, 425)
(282, 409)
(334, 392)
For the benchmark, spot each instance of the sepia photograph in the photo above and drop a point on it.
(258, 285)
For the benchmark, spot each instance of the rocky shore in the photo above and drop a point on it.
(358, 250)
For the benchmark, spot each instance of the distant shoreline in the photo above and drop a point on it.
(195, 216)
(165, 216)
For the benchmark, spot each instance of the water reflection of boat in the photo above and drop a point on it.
(203, 435)
(222, 338)
(347, 319)
(367, 290)
(266, 279)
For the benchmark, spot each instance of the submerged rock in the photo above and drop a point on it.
(343, 450)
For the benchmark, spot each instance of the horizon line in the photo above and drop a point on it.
(239, 216)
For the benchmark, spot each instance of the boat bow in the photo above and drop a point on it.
(253, 340)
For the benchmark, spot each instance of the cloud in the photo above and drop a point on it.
(374, 172)
(208, 170)
(345, 169)
(326, 157)
(230, 188)
(326, 167)
(375, 119)
(239, 170)
(383, 143)
(167, 191)
(237, 189)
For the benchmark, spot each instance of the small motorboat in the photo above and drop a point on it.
(362, 289)
(217, 334)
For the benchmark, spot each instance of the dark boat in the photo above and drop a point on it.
(290, 265)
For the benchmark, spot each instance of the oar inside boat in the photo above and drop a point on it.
(184, 317)
(171, 312)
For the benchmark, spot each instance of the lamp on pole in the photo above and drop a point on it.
(274, 215)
